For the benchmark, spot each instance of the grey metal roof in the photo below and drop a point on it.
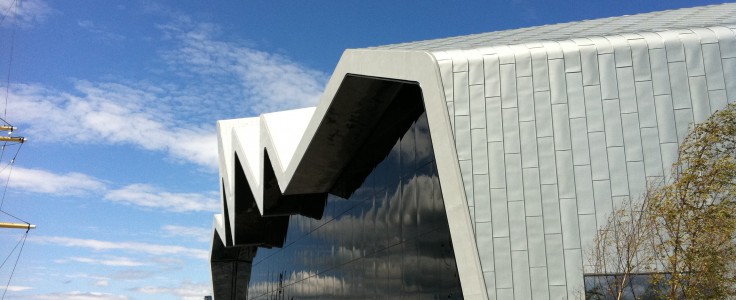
(696, 17)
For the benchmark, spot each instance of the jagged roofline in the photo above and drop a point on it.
(315, 161)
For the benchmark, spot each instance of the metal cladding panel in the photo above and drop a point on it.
(572, 127)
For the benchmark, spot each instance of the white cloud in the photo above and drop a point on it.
(45, 182)
(144, 195)
(18, 288)
(25, 13)
(109, 113)
(199, 233)
(77, 295)
(135, 247)
(100, 31)
(111, 261)
(185, 290)
(269, 81)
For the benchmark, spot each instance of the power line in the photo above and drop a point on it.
(25, 236)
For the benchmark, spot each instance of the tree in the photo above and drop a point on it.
(682, 230)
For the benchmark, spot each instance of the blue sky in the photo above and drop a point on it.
(119, 101)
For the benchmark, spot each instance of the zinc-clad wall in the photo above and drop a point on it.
(551, 136)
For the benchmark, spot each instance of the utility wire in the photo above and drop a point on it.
(25, 236)
(5, 190)
(12, 5)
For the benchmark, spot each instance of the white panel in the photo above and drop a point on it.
(551, 209)
(569, 218)
(522, 281)
(729, 72)
(650, 146)
(543, 113)
(561, 126)
(699, 96)
(640, 58)
(669, 156)
(517, 225)
(612, 119)
(535, 232)
(475, 67)
(637, 180)
(589, 64)
(579, 134)
(525, 98)
(632, 140)
(555, 259)
(598, 155)
(508, 86)
(617, 167)
(727, 41)
(462, 137)
(547, 167)
(565, 174)
(713, 67)
(499, 213)
(459, 61)
(572, 56)
(573, 267)
(584, 190)
(654, 41)
(507, 293)
(494, 119)
(502, 253)
(523, 60)
(594, 108)
(496, 165)
(466, 171)
(553, 50)
(680, 85)
(575, 96)
(660, 71)
(693, 54)
(665, 119)
(491, 72)
(477, 107)
(461, 94)
(602, 44)
(484, 237)
(514, 185)
(588, 229)
(540, 71)
(645, 102)
(511, 130)
(683, 122)
(451, 113)
(603, 201)
(532, 193)
(528, 138)
(540, 289)
(705, 35)
(490, 279)
(446, 75)
(557, 87)
(718, 99)
(673, 45)
(626, 89)
(609, 83)
(479, 151)
(482, 195)
(621, 51)
(558, 292)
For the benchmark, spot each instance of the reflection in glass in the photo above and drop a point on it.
(606, 286)
(389, 239)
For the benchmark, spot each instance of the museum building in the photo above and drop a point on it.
(475, 167)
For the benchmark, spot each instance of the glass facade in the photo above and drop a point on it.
(389, 239)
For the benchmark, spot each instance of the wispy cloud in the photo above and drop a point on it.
(76, 295)
(100, 31)
(110, 261)
(133, 247)
(197, 233)
(45, 182)
(109, 113)
(144, 195)
(185, 290)
(18, 288)
(25, 13)
(140, 195)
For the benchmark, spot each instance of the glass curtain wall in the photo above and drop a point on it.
(389, 239)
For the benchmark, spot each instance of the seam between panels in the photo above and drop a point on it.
(506, 180)
(667, 169)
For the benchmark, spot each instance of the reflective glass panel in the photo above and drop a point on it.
(389, 239)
